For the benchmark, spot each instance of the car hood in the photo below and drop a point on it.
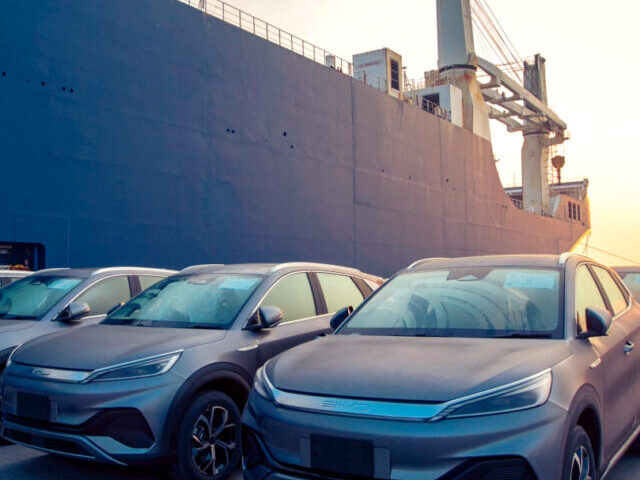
(410, 368)
(98, 346)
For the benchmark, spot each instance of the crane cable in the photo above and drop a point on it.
(500, 42)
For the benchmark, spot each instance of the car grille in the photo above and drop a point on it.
(40, 441)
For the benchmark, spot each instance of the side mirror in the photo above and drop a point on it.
(598, 322)
(74, 312)
(340, 316)
(265, 317)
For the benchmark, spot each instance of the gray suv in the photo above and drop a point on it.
(519, 367)
(166, 376)
(56, 299)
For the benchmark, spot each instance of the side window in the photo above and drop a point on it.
(106, 293)
(339, 291)
(293, 295)
(587, 296)
(617, 298)
(148, 280)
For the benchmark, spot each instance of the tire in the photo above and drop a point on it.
(579, 460)
(211, 424)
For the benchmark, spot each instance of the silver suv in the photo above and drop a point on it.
(56, 299)
(167, 375)
(519, 367)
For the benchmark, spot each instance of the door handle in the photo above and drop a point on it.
(628, 348)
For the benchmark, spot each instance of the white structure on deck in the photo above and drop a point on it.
(520, 108)
(380, 69)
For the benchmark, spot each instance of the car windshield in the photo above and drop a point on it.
(210, 300)
(464, 302)
(632, 280)
(30, 298)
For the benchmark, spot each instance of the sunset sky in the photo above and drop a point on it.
(592, 72)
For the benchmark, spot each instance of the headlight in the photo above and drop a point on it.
(148, 367)
(524, 394)
(261, 384)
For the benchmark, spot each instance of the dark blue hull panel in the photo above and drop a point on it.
(146, 132)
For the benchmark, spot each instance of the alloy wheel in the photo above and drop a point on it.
(580, 464)
(213, 441)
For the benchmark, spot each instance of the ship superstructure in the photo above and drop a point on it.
(166, 133)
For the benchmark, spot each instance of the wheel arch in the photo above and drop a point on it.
(585, 412)
(227, 378)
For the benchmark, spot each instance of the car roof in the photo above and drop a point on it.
(627, 269)
(542, 261)
(272, 268)
(89, 272)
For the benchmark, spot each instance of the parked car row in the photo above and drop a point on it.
(490, 367)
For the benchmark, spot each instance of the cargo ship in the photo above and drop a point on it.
(169, 133)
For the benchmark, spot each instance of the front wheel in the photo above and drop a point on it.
(208, 442)
(579, 463)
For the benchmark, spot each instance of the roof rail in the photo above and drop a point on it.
(280, 266)
(144, 269)
(424, 261)
(52, 269)
(195, 267)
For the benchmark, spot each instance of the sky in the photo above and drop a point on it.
(592, 67)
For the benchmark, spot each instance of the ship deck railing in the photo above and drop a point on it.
(250, 23)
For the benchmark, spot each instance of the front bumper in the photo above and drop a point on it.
(120, 422)
(521, 445)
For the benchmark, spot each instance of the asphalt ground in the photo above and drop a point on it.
(20, 463)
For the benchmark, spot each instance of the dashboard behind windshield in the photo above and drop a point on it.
(211, 300)
(465, 302)
(30, 298)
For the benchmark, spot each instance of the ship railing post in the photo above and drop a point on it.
(279, 37)
(254, 24)
(223, 11)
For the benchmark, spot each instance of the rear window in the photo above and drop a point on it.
(632, 281)
(465, 302)
(339, 291)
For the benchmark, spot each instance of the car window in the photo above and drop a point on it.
(293, 295)
(474, 301)
(105, 294)
(339, 291)
(199, 300)
(30, 298)
(617, 298)
(148, 280)
(587, 296)
(632, 281)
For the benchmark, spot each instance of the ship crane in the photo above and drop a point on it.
(522, 108)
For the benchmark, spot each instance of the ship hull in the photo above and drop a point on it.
(146, 132)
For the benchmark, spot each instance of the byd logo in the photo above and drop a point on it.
(348, 405)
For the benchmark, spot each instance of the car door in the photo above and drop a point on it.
(618, 369)
(104, 295)
(297, 295)
(620, 302)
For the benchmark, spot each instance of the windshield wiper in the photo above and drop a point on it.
(9, 316)
(205, 326)
(522, 335)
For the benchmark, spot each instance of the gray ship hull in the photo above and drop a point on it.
(147, 132)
